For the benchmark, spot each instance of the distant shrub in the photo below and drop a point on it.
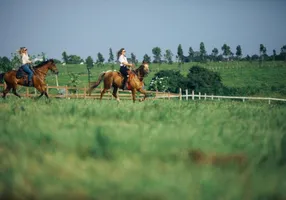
(203, 80)
(167, 80)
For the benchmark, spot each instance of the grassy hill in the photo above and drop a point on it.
(269, 79)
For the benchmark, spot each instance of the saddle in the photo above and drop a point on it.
(21, 74)
(131, 75)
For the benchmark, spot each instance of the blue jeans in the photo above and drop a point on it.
(27, 69)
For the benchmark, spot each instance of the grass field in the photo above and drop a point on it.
(269, 78)
(84, 149)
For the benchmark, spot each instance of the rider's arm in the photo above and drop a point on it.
(124, 62)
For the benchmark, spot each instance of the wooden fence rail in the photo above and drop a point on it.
(65, 92)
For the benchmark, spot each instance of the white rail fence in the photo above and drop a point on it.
(200, 96)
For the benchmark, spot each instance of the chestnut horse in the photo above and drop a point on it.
(114, 79)
(40, 72)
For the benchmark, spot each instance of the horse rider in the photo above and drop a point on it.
(23, 51)
(124, 66)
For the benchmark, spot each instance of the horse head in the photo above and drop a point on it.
(143, 70)
(52, 66)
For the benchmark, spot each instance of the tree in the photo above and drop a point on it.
(202, 51)
(111, 57)
(15, 61)
(100, 59)
(226, 51)
(157, 54)
(214, 53)
(283, 52)
(133, 59)
(74, 59)
(147, 58)
(5, 64)
(191, 54)
(43, 56)
(89, 65)
(168, 56)
(180, 54)
(262, 51)
(238, 52)
(65, 57)
(89, 62)
(274, 55)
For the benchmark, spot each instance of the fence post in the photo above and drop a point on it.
(169, 95)
(243, 99)
(199, 95)
(268, 101)
(212, 97)
(48, 89)
(193, 95)
(67, 91)
(205, 96)
(187, 98)
(27, 92)
(35, 91)
(180, 94)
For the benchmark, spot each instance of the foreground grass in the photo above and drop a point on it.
(91, 150)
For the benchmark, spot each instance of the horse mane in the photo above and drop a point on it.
(140, 68)
(43, 63)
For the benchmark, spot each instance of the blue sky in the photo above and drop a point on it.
(86, 27)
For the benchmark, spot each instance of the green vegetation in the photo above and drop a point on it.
(85, 149)
(245, 78)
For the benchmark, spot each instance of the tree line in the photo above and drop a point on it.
(191, 56)
(160, 57)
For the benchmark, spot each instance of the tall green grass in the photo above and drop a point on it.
(104, 150)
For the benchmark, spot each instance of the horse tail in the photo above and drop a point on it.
(2, 77)
(95, 84)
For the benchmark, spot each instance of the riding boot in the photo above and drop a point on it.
(124, 83)
(30, 83)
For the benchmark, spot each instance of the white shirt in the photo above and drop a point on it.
(25, 59)
(122, 59)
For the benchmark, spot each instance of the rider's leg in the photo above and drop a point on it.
(124, 72)
(27, 69)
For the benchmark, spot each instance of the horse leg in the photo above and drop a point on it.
(41, 90)
(133, 94)
(143, 92)
(46, 94)
(7, 89)
(115, 94)
(15, 92)
(102, 92)
(42, 93)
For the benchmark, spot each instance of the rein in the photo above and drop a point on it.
(39, 73)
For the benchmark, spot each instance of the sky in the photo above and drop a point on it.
(86, 27)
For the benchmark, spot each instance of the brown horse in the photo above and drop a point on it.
(114, 79)
(40, 72)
